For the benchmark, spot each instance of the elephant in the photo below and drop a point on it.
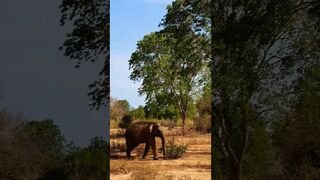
(144, 132)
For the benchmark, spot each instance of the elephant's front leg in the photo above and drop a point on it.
(146, 150)
(153, 145)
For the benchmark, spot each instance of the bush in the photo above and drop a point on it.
(203, 123)
(114, 123)
(188, 123)
(169, 123)
(175, 151)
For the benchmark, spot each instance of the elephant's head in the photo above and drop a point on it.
(157, 132)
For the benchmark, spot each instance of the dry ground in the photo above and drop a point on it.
(194, 165)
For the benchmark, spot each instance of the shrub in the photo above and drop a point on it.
(114, 123)
(169, 123)
(175, 151)
(203, 123)
(189, 123)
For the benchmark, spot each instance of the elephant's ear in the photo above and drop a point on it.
(150, 128)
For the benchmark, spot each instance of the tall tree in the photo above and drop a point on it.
(90, 162)
(89, 41)
(257, 48)
(118, 108)
(124, 104)
(46, 134)
(203, 107)
(163, 106)
(29, 149)
(296, 131)
(170, 63)
(255, 45)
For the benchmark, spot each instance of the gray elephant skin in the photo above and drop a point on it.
(144, 132)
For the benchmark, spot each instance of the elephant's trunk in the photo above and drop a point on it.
(163, 139)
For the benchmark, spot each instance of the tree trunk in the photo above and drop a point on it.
(235, 171)
(183, 122)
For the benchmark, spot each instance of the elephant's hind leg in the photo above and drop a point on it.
(146, 150)
(130, 147)
(128, 150)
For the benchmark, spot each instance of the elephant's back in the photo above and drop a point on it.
(139, 126)
(137, 131)
(136, 128)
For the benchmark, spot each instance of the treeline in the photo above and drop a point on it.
(198, 112)
(156, 110)
(38, 150)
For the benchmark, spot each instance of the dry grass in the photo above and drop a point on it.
(141, 170)
(195, 164)
(156, 175)
(123, 166)
(117, 145)
(114, 123)
(189, 139)
(199, 165)
(117, 132)
(144, 174)
(193, 141)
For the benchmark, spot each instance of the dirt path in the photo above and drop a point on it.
(194, 165)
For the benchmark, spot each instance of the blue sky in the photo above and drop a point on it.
(130, 20)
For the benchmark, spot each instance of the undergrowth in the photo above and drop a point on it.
(175, 151)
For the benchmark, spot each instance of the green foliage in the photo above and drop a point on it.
(38, 150)
(46, 134)
(98, 144)
(118, 109)
(296, 130)
(260, 154)
(162, 107)
(124, 104)
(138, 113)
(88, 42)
(29, 149)
(203, 105)
(192, 14)
(175, 151)
(220, 167)
(90, 162)
(257, 50)
(191, 110)
(202, 121)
